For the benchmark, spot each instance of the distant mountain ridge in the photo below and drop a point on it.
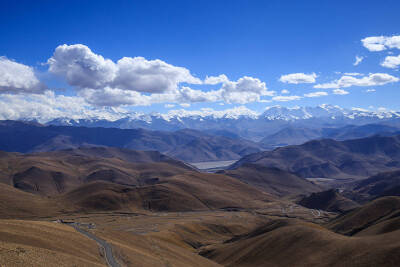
(241, 121)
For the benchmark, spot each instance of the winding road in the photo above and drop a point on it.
(107, 248)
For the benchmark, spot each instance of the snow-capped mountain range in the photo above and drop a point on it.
(240, 120)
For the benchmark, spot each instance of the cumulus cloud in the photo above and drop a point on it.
(109, 96)
(281, 98)
(370, 90)
(18, 78)
(138, 81)
(85, 69)
(284, 91)
(316, 94)
(340, 92)
(244, 90)
(391, 62)
(169, 105)
(358, 60)
(216, 79)
(373, 79)
(380, 43)
(296, 78)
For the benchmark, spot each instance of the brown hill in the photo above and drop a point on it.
(15, 203)
(382, 184)
(295, 243)
(117, 179)
(51, 173)
(358, 158)
(34, 243)
(380, 212)
(184, 192)
(330, 200)
(272, 180)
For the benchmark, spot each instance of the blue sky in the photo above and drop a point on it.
(259, 39)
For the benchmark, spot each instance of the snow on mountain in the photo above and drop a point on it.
(209, 118)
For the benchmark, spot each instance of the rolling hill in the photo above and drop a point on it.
(38, 243)
(295, 243)
(381, 184)
(100, 178)
(376, 217)
(272, 180)
(357, 158)
(330, 200)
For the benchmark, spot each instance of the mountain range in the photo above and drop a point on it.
(240, 121)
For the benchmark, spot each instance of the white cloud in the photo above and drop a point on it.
(85, 69)
(281, 98)
(137, 81)
(216, 79)
(353, 74)
(340, 92)
(18, 78)
(380, 43)
(245, 90)
(185, 105)
(316, 94)
(370, 90)
(284, 91)
(48, 106)
(114, 97)
(296, 78)
(373, 79)
(391, 62)
(358, 60)
(169, 105)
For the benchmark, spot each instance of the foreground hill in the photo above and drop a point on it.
(296, 243)
(33, 243)
(187, 145)
(272, 180)
(333, 159)
(329, 200)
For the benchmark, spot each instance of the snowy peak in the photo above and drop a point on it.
(324, 111)
(210, 118)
